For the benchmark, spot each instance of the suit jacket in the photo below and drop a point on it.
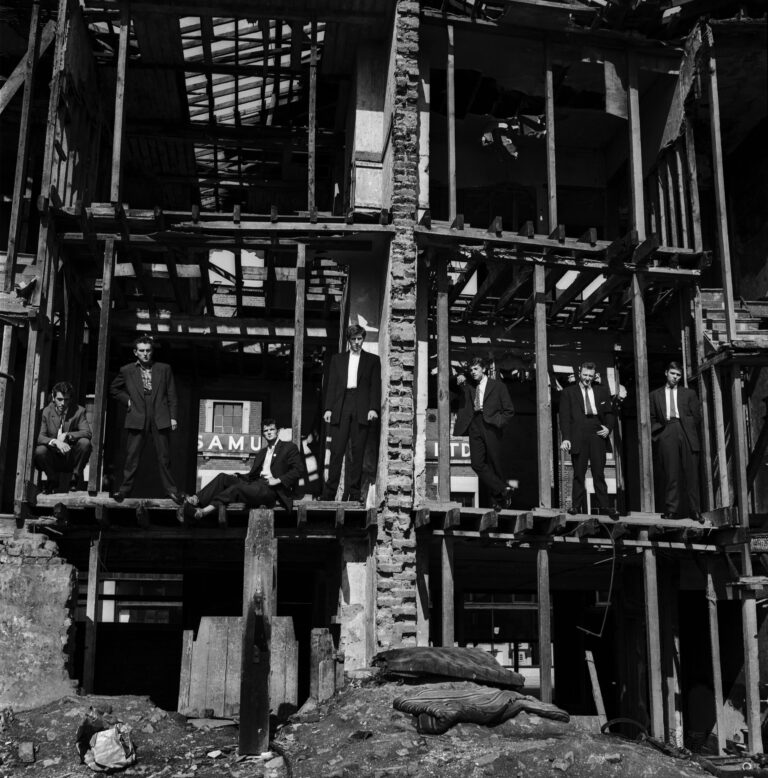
(75, 424)
(161, 406)
(497, 406)
(573, 418)
(287, 465)
(368, 386)
(687, 406)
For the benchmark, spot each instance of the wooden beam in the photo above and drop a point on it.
(722, 454)
(470, 268)
(692, 177)
(671, 191)
(443, 389)
(20, 74)
(520, 276)
(682, 200)
(451, 118)
(704, 399)
(635, 145)
(22, 152)
(7, 361)
(92, 615)
(102, 365)
(447, 590)
(497, 271)
(670, 637)
(571, 292)
(596, 693)
(545, 624)
(714, 651)
(311, 147)
(653, 642)
(258, 587)
(643, 401)
(298, 344)
(117, 135)
(422, 590)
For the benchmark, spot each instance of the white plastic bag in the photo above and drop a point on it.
(111, 749)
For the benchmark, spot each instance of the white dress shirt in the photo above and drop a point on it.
(671, 397)
(266, 469)
(590, 407)
(480, 393)
(354, 364)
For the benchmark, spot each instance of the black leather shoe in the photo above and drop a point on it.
(177, 497)
(670, 516)
(118, 496)
(612, 514)
(74, 485)
(572, 511)
(696, 516)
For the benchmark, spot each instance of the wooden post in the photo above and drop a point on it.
(652, 633)
(422, 589)
(443, 392)
(258, 584)
(91, 615)
(22, 156)
(117, 137)
(714, 647)
(545, 624)
(7, 361)
(597, 695)
(447, 609)
(311, 132)
(298, 343)
(543, 395)
(670, 635)
(422, 384)
(43, 295)
(102, 364)
(681, 198)
(671, 190)
(451, 100)
(638, 304)
(722, 455)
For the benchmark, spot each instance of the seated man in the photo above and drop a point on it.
(64, 442)
(274, 475)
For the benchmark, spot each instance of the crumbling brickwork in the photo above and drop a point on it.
(36, 594)
(396, 546)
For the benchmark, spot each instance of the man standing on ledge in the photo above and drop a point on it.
(586, 420)
(352, 405)
(485, 408)
(148, 390)
(675, 416)
(276, 470)
(64, 442)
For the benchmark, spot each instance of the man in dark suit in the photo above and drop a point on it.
(484, 409)
(586, 420)
(276, 470)
(352, 405)
(148, 390)
(64, 441)
(675, 417)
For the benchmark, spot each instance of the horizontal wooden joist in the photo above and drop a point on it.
(569, 254)
(186, 327)
(328, 10)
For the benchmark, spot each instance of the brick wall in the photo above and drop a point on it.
(36, 592)
(396, 542)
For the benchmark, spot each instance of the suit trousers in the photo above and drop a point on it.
(226, 488)
(485, 454)
(348, 430)
(591, 454)
(53, 462)
(679, 468)
(135, 445)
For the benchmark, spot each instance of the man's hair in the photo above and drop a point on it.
(675, 366)
(478, 360)
(587, 366)
(144, 339)
(268, 423)
(354, 330)
(62, 386)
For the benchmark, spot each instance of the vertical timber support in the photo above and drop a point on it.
(443, 394)
(447, 590)
(117, 135)
(7, 361)
(543, 395)
(91, 615)
(451, 100)
(545, 623)
(102, 364)
(740, 451)
(258, 589)
(39, 331)
(298, 343)
(722, 454)
(312, 132)
(670, 635)
(653, 642)
(422, 384)
(638, 304)
(714, 648)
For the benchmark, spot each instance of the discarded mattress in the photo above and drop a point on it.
(471, 664)
(437, 709)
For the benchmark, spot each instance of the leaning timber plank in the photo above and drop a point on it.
(185, 676)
